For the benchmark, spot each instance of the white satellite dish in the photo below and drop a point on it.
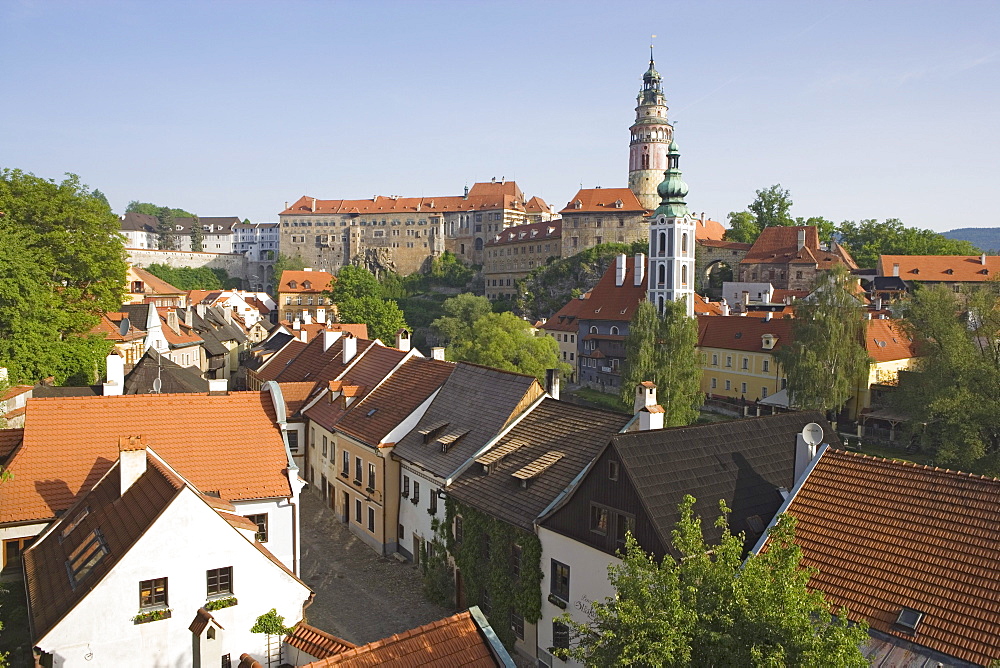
(124, 327)
(812, 434)
(157, 385)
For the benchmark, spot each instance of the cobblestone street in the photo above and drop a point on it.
(360, 596)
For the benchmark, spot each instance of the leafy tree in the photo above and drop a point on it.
(285, 263)
(869, 238)
(100, 197)
(272, 624)
(460, 312)
(354, 282)
(62, 263)
(153, 209)
(825, 228)
(826, 362)
(664, 350)
(447, 269)
(743, 227)
(383, 316)
(197, 235)
(504, 341)
(771, 209)
(710, 608)
(165, 228)
(191, 278)
(954, 399)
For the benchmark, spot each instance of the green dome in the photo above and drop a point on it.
(672, 189)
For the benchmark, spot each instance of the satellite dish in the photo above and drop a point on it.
(158, 385)
(124, 326)
(812, 434)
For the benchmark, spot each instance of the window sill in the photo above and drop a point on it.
(220, 602)
(155, 615)
(556, 601)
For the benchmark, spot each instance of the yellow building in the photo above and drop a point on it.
(737, 355)
(300, 296)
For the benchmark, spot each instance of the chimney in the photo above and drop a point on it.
(724, 305)
(329, 338)
(651, 417)
(227, 314)
(304, 335)
(620, 270)
(172, 321)
(645, 395)
(286, 204)
(802, 239)
(116, 374)
(552, 383)
(878, 303)
(131, 460)
(640, 269)
(321, 316)
(296, 324)
(218, 386)
(350, 347)
(314, 205)
(307, 318)
(895, 269)
(437, 353)
(982, 259)
(307, 269)
(767, 316)
(200, 308)
(403, 340)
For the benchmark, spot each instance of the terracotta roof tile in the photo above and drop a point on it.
(279, 361)
(201, 620)
(10, 439)
(316, 642)
(567, 318)
(295, 395)
(59, 459)
(318, 281)
(887, 535)
(949, 268)
(608, 301)
(15, 391)
(598, 200)
(482, 197)
(453, 642)
(708, 229)
(704, 307)
(742, 332)
(152, 285)
(777, 245)
(367, 372)
(886, 341)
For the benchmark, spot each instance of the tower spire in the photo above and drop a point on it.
(651, 133)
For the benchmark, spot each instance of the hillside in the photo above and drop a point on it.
(987, 238)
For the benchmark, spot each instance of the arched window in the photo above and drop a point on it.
(614, 331)
(684, 243)
(479, 244)
(663, 243)
(661, 274)
(593, 329)
(659, 304)
(684, 275)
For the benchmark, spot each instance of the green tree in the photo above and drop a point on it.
(770, 208)
(383, 316)
(709, 607)
(165, 228)
(62, 263)
(447, 269)
(826, 362)
(354, 282)
(954, 398)
(664, 350)
(743, 227)
(282, 264)
(100, 197)
(191, 278)
(460, 312)
(504, 341)
(869, 238)
(272, 624)
(197, 235)
(154, 209)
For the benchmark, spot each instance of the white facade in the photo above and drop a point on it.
(414, 520)
(588, 582)
(187, 540)
(671, 261)
(258, 241)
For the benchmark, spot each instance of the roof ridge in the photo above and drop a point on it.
(914, 465)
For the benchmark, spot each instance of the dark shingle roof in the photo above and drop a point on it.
(578, 433)
(176, 379)
(474, 398)
(743, 462)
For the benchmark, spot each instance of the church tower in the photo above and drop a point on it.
(671, 241)
(651, 135)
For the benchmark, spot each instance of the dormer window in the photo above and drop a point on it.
(307, 285)
(618, 204)
(767, 341)
(293, 285)
(577, 204)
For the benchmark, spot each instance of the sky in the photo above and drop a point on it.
(859, 109)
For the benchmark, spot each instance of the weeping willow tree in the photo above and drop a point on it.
(826, 362)
(664, 350)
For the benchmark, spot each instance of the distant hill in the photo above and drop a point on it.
(986, 238)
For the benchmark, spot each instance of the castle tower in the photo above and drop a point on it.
(651, 135)
(671, 241)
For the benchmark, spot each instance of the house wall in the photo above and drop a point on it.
(414, 518)
(725, 365)
(581, 231)
(567, 349)
(281, 526)
(588, 575)
(185, 541)
(505, 264)
(603, 373)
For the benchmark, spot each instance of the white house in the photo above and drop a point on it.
(145, 569)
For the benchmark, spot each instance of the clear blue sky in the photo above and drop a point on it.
(861, 109)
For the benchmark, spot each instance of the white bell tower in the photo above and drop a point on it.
(671, 242)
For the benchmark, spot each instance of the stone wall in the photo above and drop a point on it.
(234, 264)
(581, 231)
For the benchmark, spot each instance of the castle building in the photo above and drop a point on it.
(651, 137)
(672, 233)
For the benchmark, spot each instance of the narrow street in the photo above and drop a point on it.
(360, 596)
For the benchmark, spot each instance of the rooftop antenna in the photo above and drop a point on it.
(158, 382)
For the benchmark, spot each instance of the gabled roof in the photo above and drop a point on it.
(318, 282)
(567, 318)
(316, 365)
(70, 442)
(537, 205)
(887, 535)
(708, 229)
(175, 379)
(743, 462)
(371, 419)
(482, 197)
(152, 285)
(779, 245)
(575, 432)
(886, 340)
(316, 642)
(527, 233)
(359, 330)
(702, 306)
(453, 642)
(296, 395)
(110, 327)
(742, 332)
(475, 399)
(609, 301)
(603, 200)
(274, 365)
(947, 268)
(364, 374)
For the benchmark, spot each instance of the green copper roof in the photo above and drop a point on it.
(672, 189)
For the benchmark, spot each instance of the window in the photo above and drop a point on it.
(459, 532)
(432, 506)
(153, 593)
(357, 510)
(729, 361)
(623, 524)
(715, 383)
(599, 519)
(325, 445)
(765, 365)
(559, 585)
(560, 635)
(406, 486)
(729, 385)
(746, 363)
(220, 581)
(371, 520)
(715, 360)
(743, 388)
(515, 560)
(416, 492)
(357, 469)
(763, 392)
(612, 470)
(261, 522)
(517, 624)
(346, 463)
(371, 476)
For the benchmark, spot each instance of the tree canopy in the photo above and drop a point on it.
(709, 608)
(285, 263)
(954, 398)
(771, 208)
(826, 362)
(383, 316)
(191, 278)
(869, 238)
(197, 235)
(354, 282)
(62, 264)
(154, 209)
(664, 350)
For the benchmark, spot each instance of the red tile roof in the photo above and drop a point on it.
(482, 196)
(960, 268)
(537, 205)
(276, 363)
(9, 440)
(566, 319)
(598, 200)
(152, 285)
(15, 391)
(887, 535)
(372, 367)
(453, 642)
(531, 232)
(318, 282)
(704, 307)
(708, 229)
(316, 642)
(296, 395)
(70, 442)
(110, 327)
(314, 328)
(608, 301)
(742, 332)
(779, 245)
(886, 340)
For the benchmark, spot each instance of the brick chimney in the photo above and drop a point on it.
(131, 460)
(437, 353)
